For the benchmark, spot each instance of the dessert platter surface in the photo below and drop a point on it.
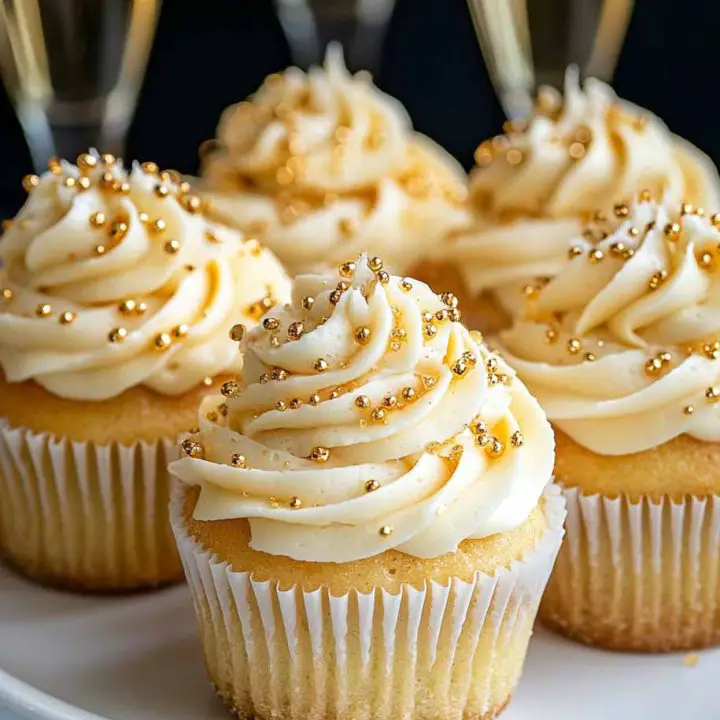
(70, 657)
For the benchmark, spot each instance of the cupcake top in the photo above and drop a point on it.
(575, 155)
(323, 165)
(368, 419)
(113, 279)
(622, 347)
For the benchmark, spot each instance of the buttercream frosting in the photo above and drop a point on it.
(113, 279)
(577, 155)
(324, 165)
(621, 347)
(368, 418)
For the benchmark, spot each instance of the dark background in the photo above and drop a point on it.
(211, 53)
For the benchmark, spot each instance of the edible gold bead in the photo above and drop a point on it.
(459, 367)
(141, 308)
(712, 394)
(172, 247)
(162, 342)
(372, 485)
(161, 191)
(99, 249)
(314, 399)
(67, 318)
(386, 531)
(686, 209)
(143, 217)
(158, 226)
(383, 277)
(516, 439)
(295, 403)
(335, 297)
(362, 334)
(362, 401)
(429, 330)
(442, 315)
(86, 161)
(238, 461)
(575, 251)
(494, 448)
(83, 183)
(319, 454)
(69, 182)
(271, 323)
(279, 374)
(375, 264)
(621, 210)
(193, 449)
(705, 260)
(192, 203)
(307, 303)
(295, 503)
(320, 365)
(7, 294)
(280, 406)
(657, 279)
(207, 381)
(595, 256)
(478, 427)
(576, 151)
(97, 219)
(230, 388)
(117, 335)
(408, 394)
(180, 331)
(688, 409)
(551, 336)
(449, 299)
(573, 346)
(43, 310)
(346, 269)
(378, 415)
(454, 315)
(237, 332)
(390, 402)
(589, 357)
(672, 231)
(107, 159)
(405, 285)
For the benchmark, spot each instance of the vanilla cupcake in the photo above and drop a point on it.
(534, 186)
(321, 166)
(116, 299)
(622, 350)
(366, 529)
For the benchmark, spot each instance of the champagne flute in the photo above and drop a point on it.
(73, 70)
(527, 44)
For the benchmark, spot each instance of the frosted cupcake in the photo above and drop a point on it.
(621, 349)
(366, 529)
(116, 299)
(534, 187)
(322, 166)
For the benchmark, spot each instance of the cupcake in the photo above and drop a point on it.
(622, 349)
(116, 299)
(321, 166)
(365, 518)
(535, 185)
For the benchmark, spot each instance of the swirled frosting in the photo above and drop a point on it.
(533, 184)
(621, 347)
(114, 279)
(323, 166)
(378, 422)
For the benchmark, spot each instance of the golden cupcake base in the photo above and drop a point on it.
(295, 640)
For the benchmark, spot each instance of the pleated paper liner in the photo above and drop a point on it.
(639, 576)
(85, 516)
(452, 651)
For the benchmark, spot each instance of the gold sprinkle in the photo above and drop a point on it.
(141, 308)
(551, 336)
(295, 330)
(180, 331)
(346, 269)
(274, 341)
(383, 277)
(223, 409)
(271, 323)
(375, 264)
(162, 342)
(158, 226)
(672, 231)
(589, 357)
(576, 150)
(280, 406)
(494, 448)
(279, 374)
(335, 297)
(459, 367)
(238, 461)
(69, 182)
(712, 350)
(621, 210)
(97, 219)
(442, 315)
(386, 531)
(307, 303)
(712, 394)
(161, 191)
(390, 402)
(409, 395)
(372, 485)
(207, 381)
(362, 401)
(573, 346)
(193, 448)
(657, 279)
(83, 183)
(575, 251)
(99, 249)
(514, 156)
(429, 330)
(43, 310)
(517, 440)
(378, 415)
(30, 182)
(67, 318)
(117, 335)
(172, 247)
(230, 388)
(7, 295)
(706, 260)
(449, 299)
(362, 335)
(405, 285)
(295, 503)
(314, 399)
(212, 416)
(237, 332)
(143, 217)
(688, 409)
(192, 203)
(319, 454)
(428, 381)
(320, 365)
(686, 209)
(595, 256)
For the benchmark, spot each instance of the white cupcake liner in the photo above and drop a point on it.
(86, 515)
(436, 651)
(638, 575)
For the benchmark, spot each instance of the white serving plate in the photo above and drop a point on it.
(69, 657)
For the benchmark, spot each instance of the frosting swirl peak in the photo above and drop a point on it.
(113, 279)
(368, 419)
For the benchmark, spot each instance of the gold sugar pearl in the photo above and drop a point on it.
(264, 379)
(688, 409)
(172, 247)
(7, 294)
(459, 367)
(712, 394)
(207, 381)
(295, 503)
(271, 323)
(454, 315)
(67, 318)
(575, 251)
(274, 341)
(442, 315)
(295, 403)
(83, 183)
(375, 264)
(321, 365)
(672, 231)
(551, 336)
(99, 249)
(180, 331)
(390, 402)
(362, 401)
(280, 406)
(335, 297)
(230, 389)
(517, 440)
(346, 269)
(657, 279)
(386, 531)
(576, 151)
(449, 299)
(705, 260)
(429, 330)
(405, 285)
(494, 448)
(279, 374)
(589, 357)
(238, 461)
(97, 219)
(117, 335)
(621, 210)
(143, 217)
(378, 415)
(237, 332)
(712, 350)
(212, 416)
(117, 230)
(192, 203)
(478, 427)
(362, 335)
(69, 182)
(409, 395)
(686, 209)
(314, 399)
(372, 485)
(43, 310)
(427, 316)
(161, 191)
(107, 181)
(595, 256)
(307, 303)
(573, 346)
(223, 409)
(86, 161)
(141, 308)
(319, 454)
(162, 342)
(383, 277)
(107, 159)
(158, 226)
(193, 449)
(295, 330)
(514, 156)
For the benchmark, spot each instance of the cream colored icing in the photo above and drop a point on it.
(186, 281)
(534, 183)
(323, 166)
(644, 302)
(438, 480)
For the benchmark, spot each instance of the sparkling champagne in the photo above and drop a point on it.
(73, 69)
